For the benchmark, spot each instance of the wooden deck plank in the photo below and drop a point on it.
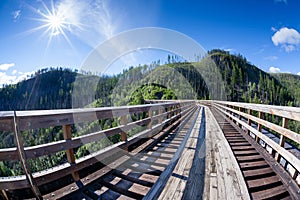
(185, 131)
(249, 158)
(245, 152)
(176, 184)
(263, 181)
(257, 172)
(254, 165)
(230, 182)
(265, 194)
(247, 148)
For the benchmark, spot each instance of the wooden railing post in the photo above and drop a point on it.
(229, 112)
(123, 133)
(282, 137)
(70, 152)
(123, 122)
(249, 121)
(259, 127)
(150, 114)
(168, 110)
(179, 108)
(160, 112)
(240, 117)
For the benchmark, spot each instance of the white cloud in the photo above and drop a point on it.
(298, 73)
(14, 72)
(274, 29)
(287, 38)
(6, 79)
(93, 20)
(274, 70)
(271, 58)
(229, 50)
(16, 14)
(24, 76)
(13, 79)
(289, 48)
(6, 66)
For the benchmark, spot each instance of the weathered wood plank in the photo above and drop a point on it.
(174, 188)
(164, 177)
(262, 182)
(59, 117)
(196, 178)
(282, 111)
(9, 154)
(16, 182)
(267, 194)
(225, 176)
(53, 147)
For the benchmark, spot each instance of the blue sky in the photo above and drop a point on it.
(266, 32)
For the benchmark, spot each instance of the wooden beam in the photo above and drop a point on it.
(282, 137)
(240, 116)
(70, 152)
(123, 133)
(160, 112)
(259, 127)
(249, 120)
(282, 111)
(295, 174)
(150, 114)
(169, 112)
(23, 160)
(46, 118)
(4, 194)
(240, 109)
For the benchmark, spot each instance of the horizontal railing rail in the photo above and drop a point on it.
(161, 113)
(243, 115)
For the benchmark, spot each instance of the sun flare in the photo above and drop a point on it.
(55, 21)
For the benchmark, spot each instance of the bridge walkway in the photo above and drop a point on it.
(196, 151)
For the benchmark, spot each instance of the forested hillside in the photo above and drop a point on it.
(53, 88)
(47, 89)
(247, 83)
(291, 82)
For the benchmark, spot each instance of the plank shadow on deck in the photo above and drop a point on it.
(207, 168)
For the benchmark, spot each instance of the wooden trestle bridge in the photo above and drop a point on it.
(183, 150)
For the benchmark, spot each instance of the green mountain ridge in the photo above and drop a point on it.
(243, 82)
(291, 82)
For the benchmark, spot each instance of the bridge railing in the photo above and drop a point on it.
(16, 122)
(254, 118)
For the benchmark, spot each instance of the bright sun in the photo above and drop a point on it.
(55, 22)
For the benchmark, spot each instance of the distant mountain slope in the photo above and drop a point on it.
(247, 83)
(291, 82)
(47, 89)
